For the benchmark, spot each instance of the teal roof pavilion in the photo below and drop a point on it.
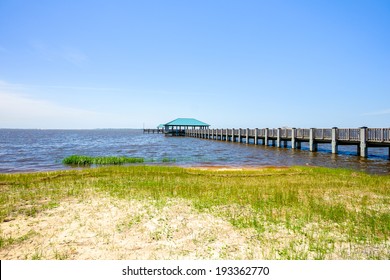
(187, 122)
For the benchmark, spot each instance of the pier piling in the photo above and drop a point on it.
(293, 140)
(334, 141)
(363, 142)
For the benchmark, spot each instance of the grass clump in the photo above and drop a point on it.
(87, 160)
(165, 159)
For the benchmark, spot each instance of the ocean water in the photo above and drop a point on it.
(24, 150)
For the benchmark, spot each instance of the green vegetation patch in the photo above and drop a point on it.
(87, 160)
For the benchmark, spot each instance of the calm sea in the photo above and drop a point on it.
(42, 150)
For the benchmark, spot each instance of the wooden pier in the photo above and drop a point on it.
(362, 138)
(153, 130)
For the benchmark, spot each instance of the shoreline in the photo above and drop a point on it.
(237, 168)
(216, 167)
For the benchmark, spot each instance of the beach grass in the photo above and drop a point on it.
(102, 160)
(82, 160)
(295, 213)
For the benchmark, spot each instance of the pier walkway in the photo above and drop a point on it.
(362, 138)
(153, 130)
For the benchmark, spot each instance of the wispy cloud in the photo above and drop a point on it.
(68, 54)
(73, 55)
(23, 111)
(378, 113)
(14, 86)
(19, 110)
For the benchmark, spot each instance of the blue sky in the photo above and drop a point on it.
(129, 64)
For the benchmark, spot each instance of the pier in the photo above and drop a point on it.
(153, 130)
(362, 137)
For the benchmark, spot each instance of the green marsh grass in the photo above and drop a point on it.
(297, 212)
(81, 160)
(87, 160)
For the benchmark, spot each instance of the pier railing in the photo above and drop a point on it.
(361, 137)
(378, 134)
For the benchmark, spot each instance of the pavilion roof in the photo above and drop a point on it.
(186, 122)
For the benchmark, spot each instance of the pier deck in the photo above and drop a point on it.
(362, 138)
(153, 130)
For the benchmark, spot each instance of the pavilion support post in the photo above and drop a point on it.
(247, 135)
(363, 142)
(239, 135)
(227, 135)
